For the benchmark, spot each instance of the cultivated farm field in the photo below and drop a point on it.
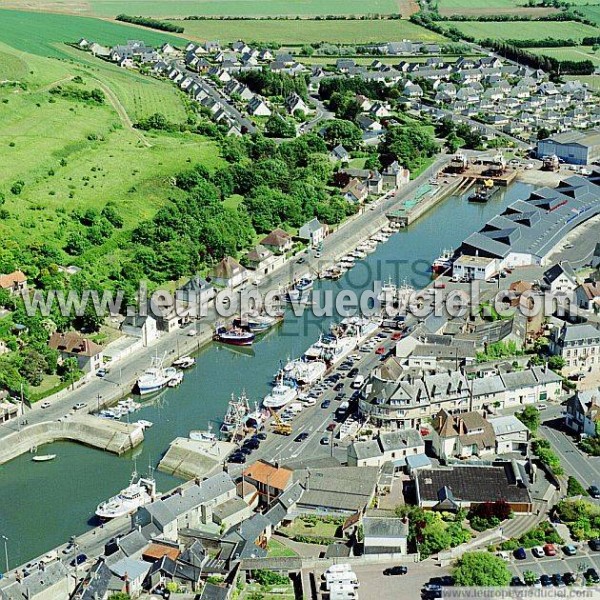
(233, 8)
(525, 30)
(305, 31)
(570, 53)
(485, 8)
(44, 33)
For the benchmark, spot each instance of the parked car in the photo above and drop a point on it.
(79, 560)
(45, 404)
(538, 552)
(338, 387)
(353, 372)
(102, 372)
(594, 491)
(260, 436)
(546, 580)
(569, 578)
(301, 437)
(503, 555)
(325, 404)
(591, 575)
(331, 426)
(380, 350)
(570, 550)
(79, 406)
(398, 570)
(595, 544)
(237, 458)
(549, 550)
(324, 441)
(516, 582)
(520, 554)
(557, 580)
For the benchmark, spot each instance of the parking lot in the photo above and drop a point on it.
(549, 565)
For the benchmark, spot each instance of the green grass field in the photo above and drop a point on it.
(525, 30)
(233, 8)
(72, 154)
(306, 31)
(570, 53)
(590, 12)
(593, 81)
(44, 33)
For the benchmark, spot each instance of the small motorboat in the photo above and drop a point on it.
(176, 379)
(43, 457)
(144, 424)
(185, 362)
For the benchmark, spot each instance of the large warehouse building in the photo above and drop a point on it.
(527, 230)
(573, 147)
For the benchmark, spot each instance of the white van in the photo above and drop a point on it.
(358, 382)
(347, 579)
(340, 568)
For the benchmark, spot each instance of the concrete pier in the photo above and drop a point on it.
(104, 434)
(190, 459)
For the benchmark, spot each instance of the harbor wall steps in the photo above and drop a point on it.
(112, 436)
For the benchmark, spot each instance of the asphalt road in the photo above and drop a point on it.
(585, 468)
(314, 421)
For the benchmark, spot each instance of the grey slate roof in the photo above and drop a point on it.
(385, 527)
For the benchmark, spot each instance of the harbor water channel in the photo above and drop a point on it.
(43, 504)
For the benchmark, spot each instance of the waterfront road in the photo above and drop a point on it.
(96, 392)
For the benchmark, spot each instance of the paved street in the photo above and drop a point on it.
(585, 468)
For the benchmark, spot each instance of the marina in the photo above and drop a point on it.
(202, 398)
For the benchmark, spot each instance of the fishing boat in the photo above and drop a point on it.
(237, 409)
(176, 379)
(139, 492)
(207, 435)
(331, 348)
(156, 377)
(233, 336)
(256, 418)
(43, 457)
(305, 372)
(185, 362)
(359, 327)
(258, 323)
(359, 254)
(304, 284)
(484, 192)
(297, 297)
(443, 262)
(281, 394)
(144, 424)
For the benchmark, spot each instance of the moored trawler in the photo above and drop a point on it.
(305, 372)
(258, 323)
(237, 409)
(139, 492)
(443, 262)
(156, 377)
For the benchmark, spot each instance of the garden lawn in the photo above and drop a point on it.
(305, 31)
(276, 549)
(525, 30)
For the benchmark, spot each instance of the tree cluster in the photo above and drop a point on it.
(151, 23)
